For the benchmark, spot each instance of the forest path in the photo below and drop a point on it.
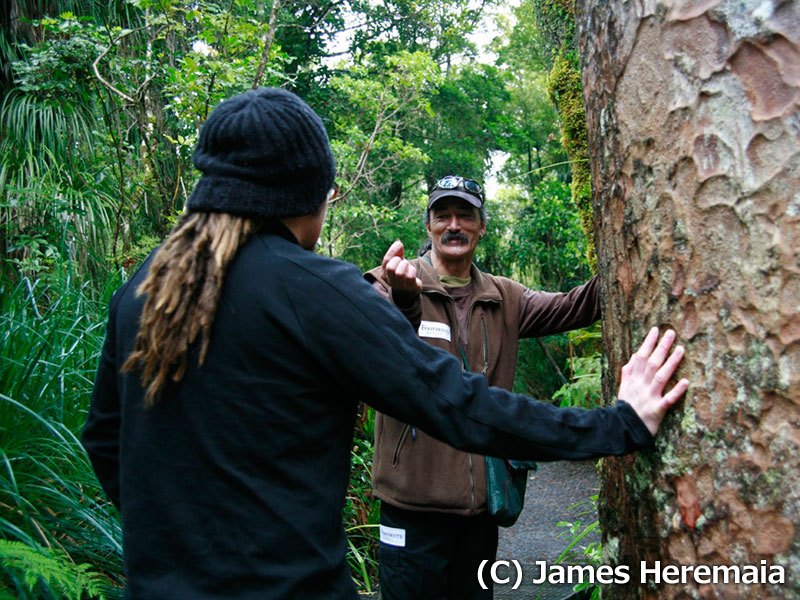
(552, 490)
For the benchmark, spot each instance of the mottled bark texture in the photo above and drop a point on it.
(693, 113)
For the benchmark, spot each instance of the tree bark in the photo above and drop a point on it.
(693, 115)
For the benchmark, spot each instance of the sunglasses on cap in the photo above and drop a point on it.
(452, 182)
(333, 193)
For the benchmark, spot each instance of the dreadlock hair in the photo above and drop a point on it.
(183, 286)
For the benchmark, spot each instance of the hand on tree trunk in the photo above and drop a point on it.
(646, 374)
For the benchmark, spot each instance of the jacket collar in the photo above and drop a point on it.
(483, 288)
(276, 227)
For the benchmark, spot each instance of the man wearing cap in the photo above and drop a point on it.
(433, 496)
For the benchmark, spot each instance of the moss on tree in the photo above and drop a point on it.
(556, 23)
(565, 89)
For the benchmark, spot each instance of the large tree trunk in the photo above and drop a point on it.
(693, 111)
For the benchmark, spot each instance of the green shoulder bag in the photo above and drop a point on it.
(506, 481)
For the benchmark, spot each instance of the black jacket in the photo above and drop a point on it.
(233, 486)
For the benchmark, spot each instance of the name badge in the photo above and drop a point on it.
(432, 329)
(393, 536)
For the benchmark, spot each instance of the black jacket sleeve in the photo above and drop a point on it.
(101, 433)
(372, 352)
(412, 312)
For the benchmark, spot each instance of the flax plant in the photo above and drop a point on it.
(50, 500)
(53, 199)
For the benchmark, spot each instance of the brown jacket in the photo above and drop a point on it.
(414, 471)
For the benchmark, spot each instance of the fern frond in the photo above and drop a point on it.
(51, 569)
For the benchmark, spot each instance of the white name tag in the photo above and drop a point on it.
(432, 329)
(393, 536)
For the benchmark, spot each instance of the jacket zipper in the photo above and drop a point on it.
(464, 367)
(400, 442)
(412, 428)
(454, 317)
(483, 372)
(485, 337)
(485, 346)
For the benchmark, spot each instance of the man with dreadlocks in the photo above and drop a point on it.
(222, 414)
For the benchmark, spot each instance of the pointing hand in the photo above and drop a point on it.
(400, 273)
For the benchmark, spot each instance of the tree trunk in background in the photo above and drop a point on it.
(693, 112)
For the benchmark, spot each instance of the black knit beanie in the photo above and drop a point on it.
(263, 153)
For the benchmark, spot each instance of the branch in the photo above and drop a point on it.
(108, 85)
(552, 362)
(273, 20)
(211, 83)
(324, 14)
(362, 160)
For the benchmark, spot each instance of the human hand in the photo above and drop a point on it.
(645, 375)
(400, 273)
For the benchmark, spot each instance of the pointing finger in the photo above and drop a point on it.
(396, 249)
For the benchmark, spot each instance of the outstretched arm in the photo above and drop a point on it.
(404, 377)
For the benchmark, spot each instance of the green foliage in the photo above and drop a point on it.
(566, 91)
(379, 106)
(584, 387)
(589, 554)
(555, 25)
(361, 514)
(532, 138)
(39, 573)
(532, 134)
(548, 27)
(60, 70)
(547, 238)
(52, 334)
(221, 53)
(440, 28)
(535, 238)
(52, 200)
(470, 120)
(565, 88)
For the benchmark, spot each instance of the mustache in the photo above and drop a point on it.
(457, 236)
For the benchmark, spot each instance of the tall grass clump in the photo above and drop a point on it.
(361, 513)
(59, 538)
